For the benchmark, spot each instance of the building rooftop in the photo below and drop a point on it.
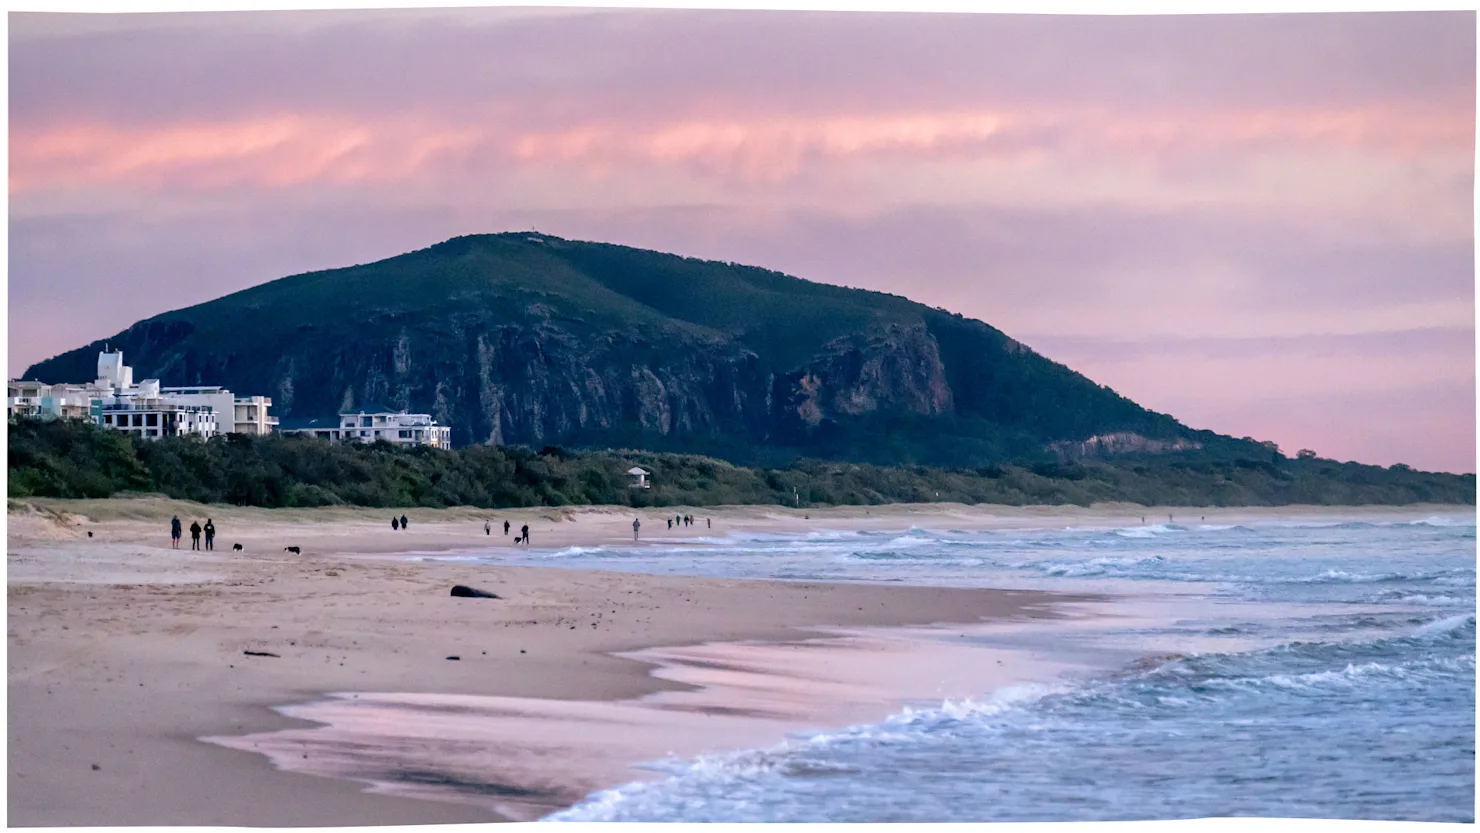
(372, 408)
(306, 423)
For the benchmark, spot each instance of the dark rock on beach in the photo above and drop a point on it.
(465, 592)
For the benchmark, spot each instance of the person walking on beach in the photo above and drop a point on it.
(670, 523)
(395, 524)
(403, 522)
(636, 523)
(487, 528)
(195, 535)
(506, 528)
(524, 533)
(210, 530)
(708, 523)
(175, 532)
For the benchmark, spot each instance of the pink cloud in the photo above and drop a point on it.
(290, 149)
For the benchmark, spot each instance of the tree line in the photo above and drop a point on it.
(75, 459)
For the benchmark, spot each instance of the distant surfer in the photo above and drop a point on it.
(175, 532)
(636, 524)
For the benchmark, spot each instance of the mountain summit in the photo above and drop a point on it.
(523, 338)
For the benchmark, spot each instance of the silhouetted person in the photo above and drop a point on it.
(195, 535)
(524, 533)
(487, 528)
(403, 522)
(670, 523)
(395, 523)
(210, 530)
(708, 524)
(636, 523)
(506, 527)
(175, 532)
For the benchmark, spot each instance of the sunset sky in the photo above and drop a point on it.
(1262, 225)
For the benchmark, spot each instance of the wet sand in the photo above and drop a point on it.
(124, 653)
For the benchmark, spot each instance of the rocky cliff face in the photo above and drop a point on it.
(555, 342)
(1119, 444)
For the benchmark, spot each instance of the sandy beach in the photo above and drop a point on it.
(125, 653)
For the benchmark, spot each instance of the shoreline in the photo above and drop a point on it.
(528, 757)
(124, 652)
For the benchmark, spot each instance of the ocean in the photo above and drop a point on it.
(1293, 669)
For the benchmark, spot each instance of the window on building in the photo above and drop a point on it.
(405, 435)
(138, 420)
(366, 422)
(153, 419)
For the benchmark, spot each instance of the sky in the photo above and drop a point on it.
(1260, 224)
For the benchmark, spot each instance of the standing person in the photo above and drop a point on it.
(210, 531)
(395, 523)
(708, 523)
(636, 523)
(506, 528)
(487, 528)
(670, 523)
(175, 532)
(195, 535)
(403, 522)
(524, 532)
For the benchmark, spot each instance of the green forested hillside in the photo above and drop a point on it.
(523, 339)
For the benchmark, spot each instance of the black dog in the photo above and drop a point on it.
(293, 550)
(89, 534)
(236, 547)
(518, 540)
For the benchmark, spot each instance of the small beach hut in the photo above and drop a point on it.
(639, 478)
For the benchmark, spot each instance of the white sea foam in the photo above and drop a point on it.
(1446, 625)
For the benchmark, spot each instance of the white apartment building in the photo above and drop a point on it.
(43, 401)
(112, 400)
(376, 422)
(235, 414)
(159, 417)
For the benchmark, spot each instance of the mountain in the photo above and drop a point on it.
(529, 339)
